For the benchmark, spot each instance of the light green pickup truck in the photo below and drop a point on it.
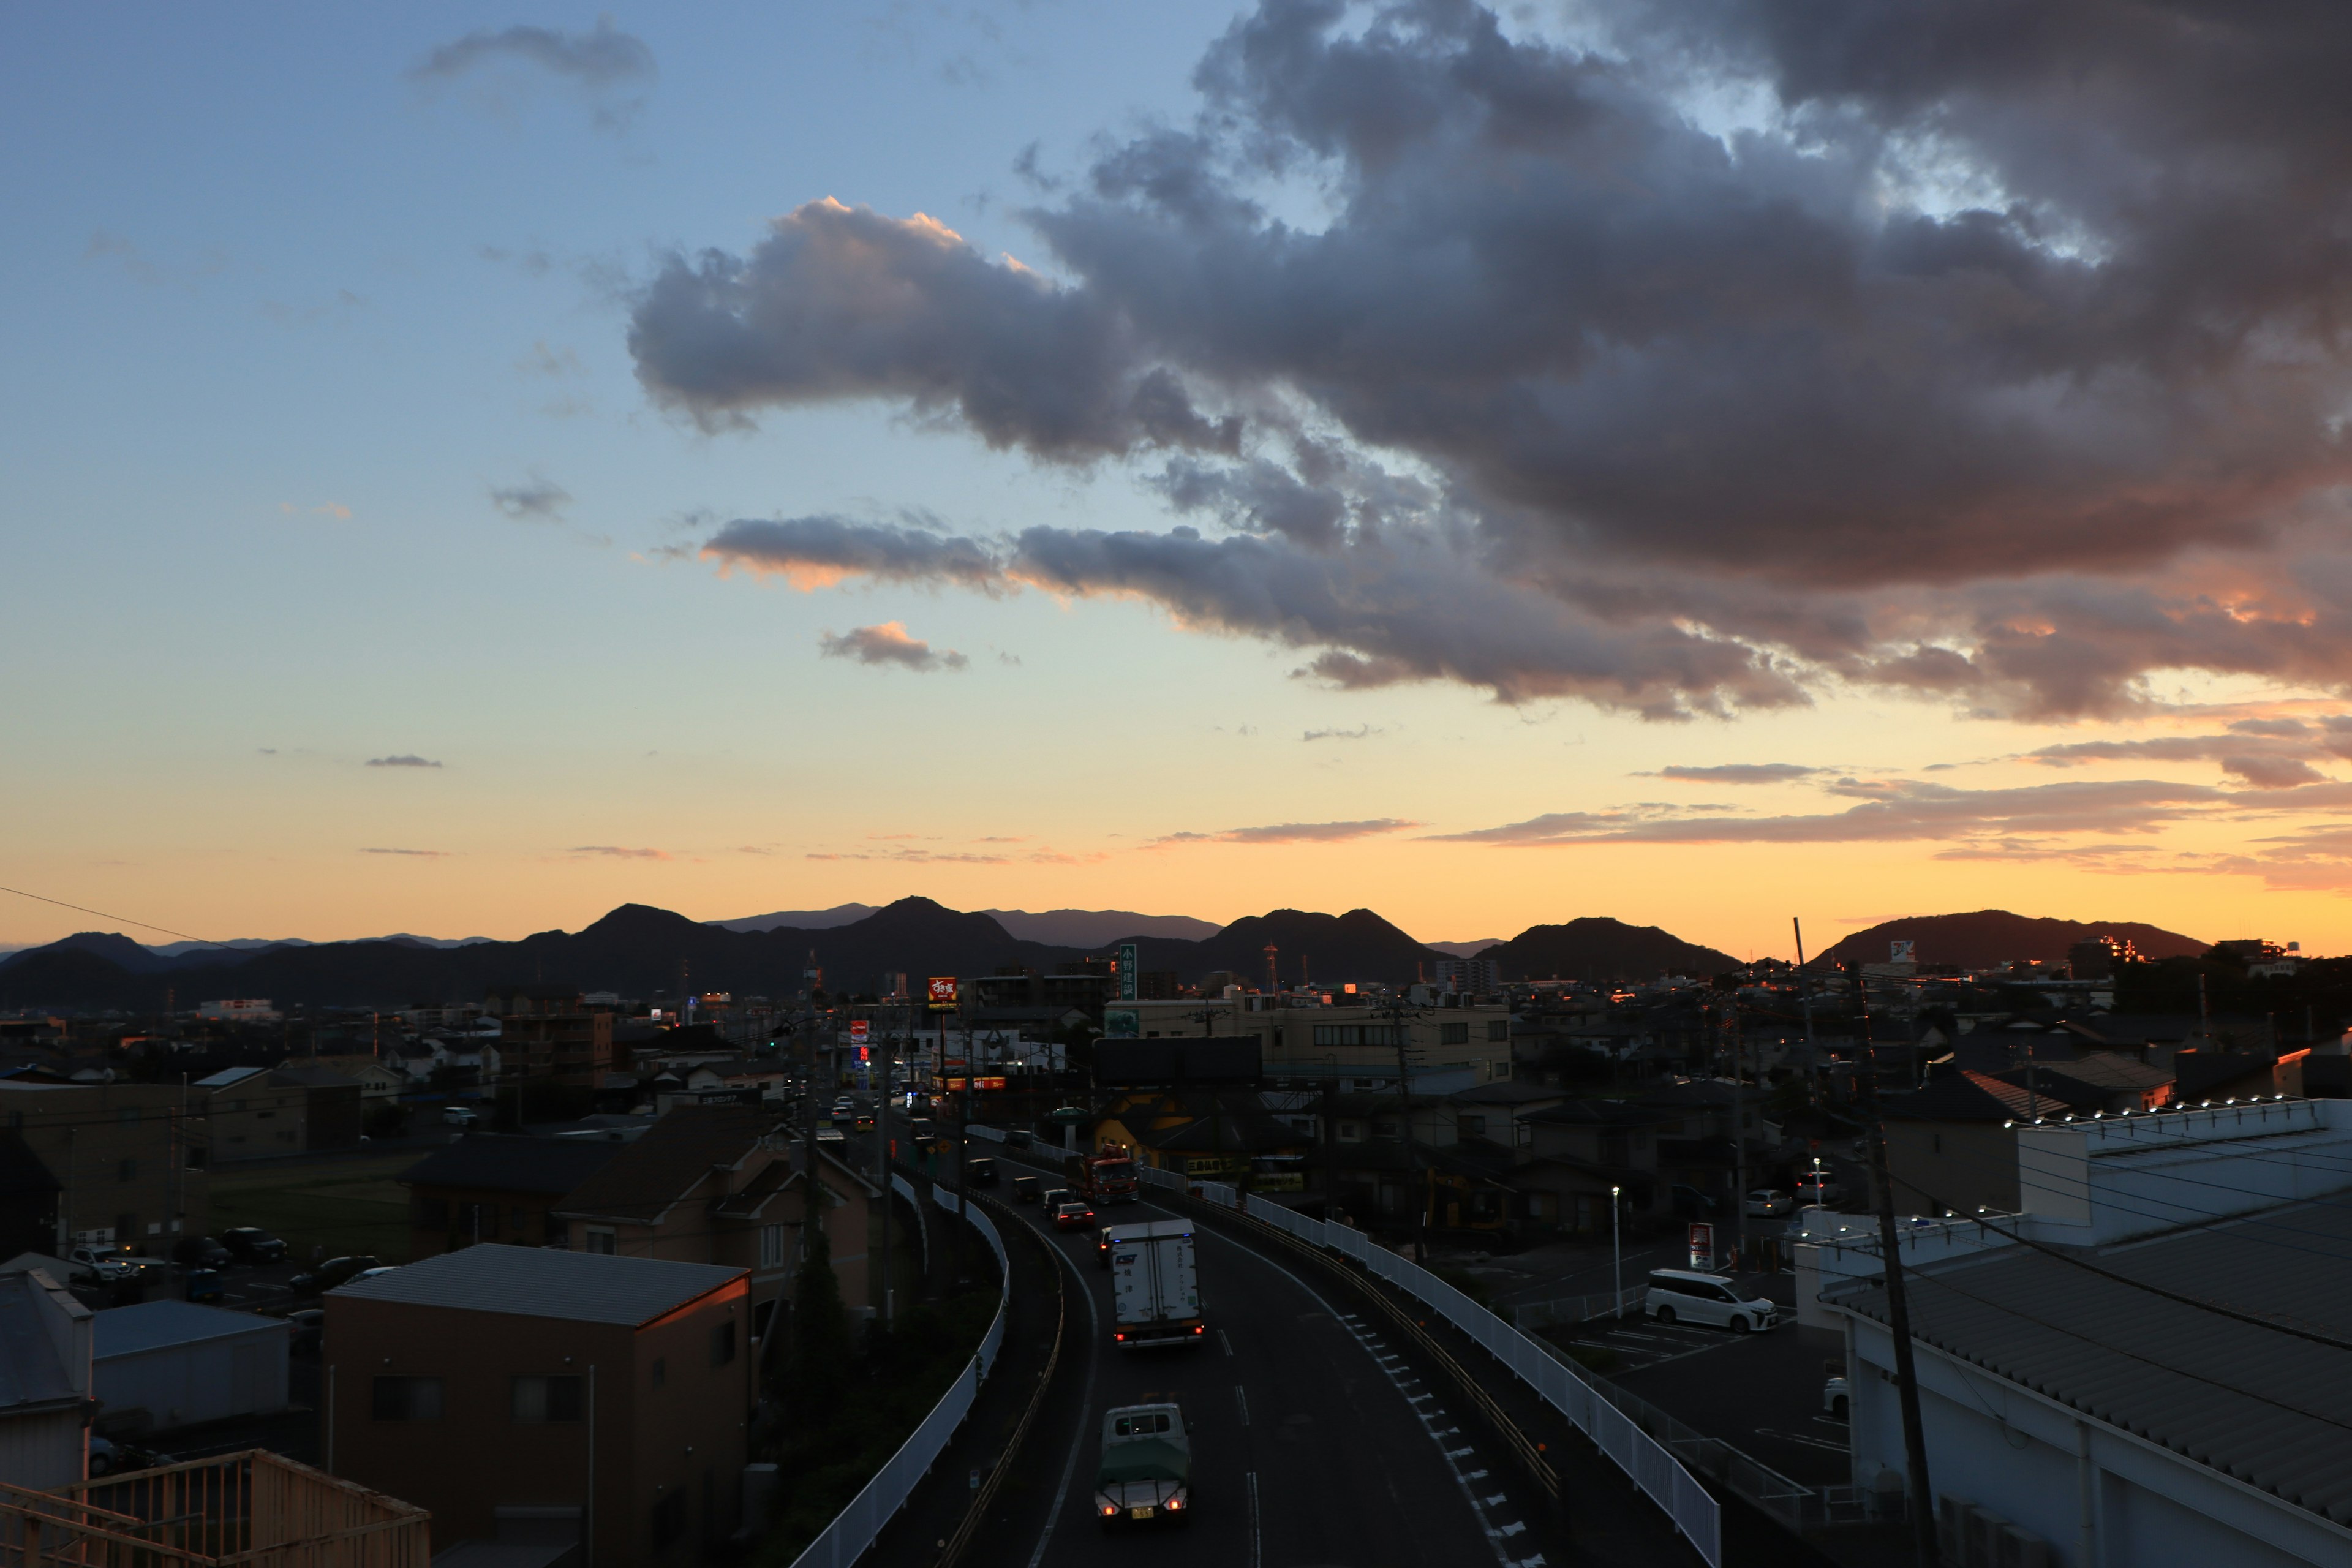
(1146, 1475)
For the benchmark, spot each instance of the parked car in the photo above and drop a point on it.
(1026, 1189)
(459, 1116)
(378, 1271)
(205, 1285)
(1019, 1138)
(1833, 1393)
(333, 1272)
(1821, 1187)
(980, 1173)
(251, 1244)
(1765, 1203)
(1073, 1216)
(108, 1457)
(201, 1252)
(1685, 1294)
(310, 1329)
(106, 1265)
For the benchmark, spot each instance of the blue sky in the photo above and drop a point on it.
(322, 444)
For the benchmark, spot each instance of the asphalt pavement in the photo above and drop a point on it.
(1314, 1442)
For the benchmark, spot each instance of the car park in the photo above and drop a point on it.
(333, 1272)
(1073, 1215)
(251, 1244)
(1686, 1296)
(1765, 1203)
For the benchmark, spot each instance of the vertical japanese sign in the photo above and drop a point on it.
(1701, 1247)
(942, 990)
(1127, 972)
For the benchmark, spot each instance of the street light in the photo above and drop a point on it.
(1616, 1257)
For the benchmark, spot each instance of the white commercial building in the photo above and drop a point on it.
(181, 1364)
(2151, 1365)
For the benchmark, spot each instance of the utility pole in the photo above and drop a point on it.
(1423, 1200)
(1899, 1306)
(1805, 980)
(882, 1158)
(1738, 1136)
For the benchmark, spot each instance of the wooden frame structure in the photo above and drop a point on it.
(252, 1510)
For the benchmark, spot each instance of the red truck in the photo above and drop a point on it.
(1104, 1176)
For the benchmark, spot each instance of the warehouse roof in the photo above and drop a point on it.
(152, 1325)
(543, 1282)
(507, 1163)
(2262, 1407)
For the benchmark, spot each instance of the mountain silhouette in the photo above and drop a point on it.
(1596, 948)
(1995, 936)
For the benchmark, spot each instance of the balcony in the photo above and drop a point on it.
(255, 1509)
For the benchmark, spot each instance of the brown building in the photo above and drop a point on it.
(490, 1186)
(554, 1385)
(722, 1183)
(253, 1113)
(128, 1162)
(551, 1033)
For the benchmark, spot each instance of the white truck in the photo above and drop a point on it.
(1146, 1473)
(1155, 1288)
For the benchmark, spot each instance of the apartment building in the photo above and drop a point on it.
(1307, 1042)
(552, 1033)
(127, 1157)
(583, 1392)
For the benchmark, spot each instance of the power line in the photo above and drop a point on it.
(126, 920)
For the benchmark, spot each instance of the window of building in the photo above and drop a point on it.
(543, 1399)
(1352, 1133)
(661, 1371)
(1498, 1028)
(772, 1247)
(600, 1239)
(1452, 1034)
(1359, 1034)
(1471, 1126)
(128, 1171)
(408, 1399)
(723, 1343)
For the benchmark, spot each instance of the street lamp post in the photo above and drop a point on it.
(1616, 1258)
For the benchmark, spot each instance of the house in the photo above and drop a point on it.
(334, 1105)
(2128, 1083)
(1202, 1134)
(720, 1185)
(606, 1395)
(380, 1082)
(489, 1186)
(44, 1367)
(2204, 1074)
(1952, 1146)
(1580, 1153)
(162, 1364)
(128, 1163)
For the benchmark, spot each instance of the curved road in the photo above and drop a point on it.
(1313, 1443)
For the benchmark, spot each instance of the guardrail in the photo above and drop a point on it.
(1586, 1402)
(854, 1529)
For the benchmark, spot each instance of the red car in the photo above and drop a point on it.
(1073, 1216)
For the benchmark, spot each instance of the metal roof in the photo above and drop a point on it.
(542, 1283)
(31, 1374)
(2265, 1407)
(152, 1325)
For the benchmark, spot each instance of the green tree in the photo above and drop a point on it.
(821, 1358)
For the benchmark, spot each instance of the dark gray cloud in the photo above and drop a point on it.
(2269, 753)
(405, 760)
(1296, 833)
(602, 62)
(888, 644)
(1740, 773)
(534, 500)
(1713, 419)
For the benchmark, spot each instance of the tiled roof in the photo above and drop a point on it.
(677, 1151)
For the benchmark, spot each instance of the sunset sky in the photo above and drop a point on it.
(463, 468)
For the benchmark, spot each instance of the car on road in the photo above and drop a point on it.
(1819, 1188)
(1019, 1138)
(333, 1272)
(1026, 1189)
(201, 1252)
(1765, 1203)
(251, 1244)
(1833, 1393)
(980, 1173)
(1054, 1197)
(1073, 1216)
(1145, 1475)
(832, 1137)
(1686, 1296)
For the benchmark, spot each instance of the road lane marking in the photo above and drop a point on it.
(1253, 1519)
(1224, 1342)
(1242, 1400)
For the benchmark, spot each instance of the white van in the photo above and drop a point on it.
(1683, 1294)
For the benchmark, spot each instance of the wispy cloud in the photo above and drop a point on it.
(419, 854)
(618, 852)
(2269, 753)
(1740, 773)
(537, 500)
(888, 644)
(1360, 732)
(405, 760)
(1296, 831)
(603, 63)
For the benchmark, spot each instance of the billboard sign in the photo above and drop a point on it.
(1127, 972)
(1701, 1247)
(943, 989)
(1900, 952)
(1122, 1023)
(857, 1032)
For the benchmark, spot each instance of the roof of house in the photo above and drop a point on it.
(31, 1371)
(313, 1078)
(2262, 1407)
(152, 1325)
(226, 1076)
(2101, 1069)
(1980, 1097)
(511, 1162)
(677, 1151)
(545, 1282)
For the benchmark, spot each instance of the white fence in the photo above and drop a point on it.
(1566, 1387)
(853, 1530)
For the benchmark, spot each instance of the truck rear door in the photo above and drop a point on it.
(1180, 1284)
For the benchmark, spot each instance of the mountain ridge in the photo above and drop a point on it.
(1986, 937)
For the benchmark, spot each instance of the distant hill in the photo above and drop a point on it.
(1465, 949)
(1597, 948)
(1056, 928)
(1996, 936)
(1330, 949)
